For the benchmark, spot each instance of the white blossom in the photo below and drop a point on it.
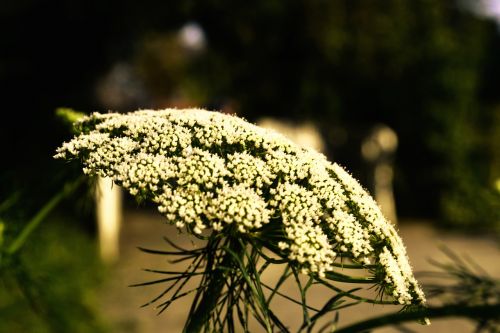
(206, 170)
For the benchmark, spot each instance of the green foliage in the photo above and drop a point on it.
(457, 288)
(51, 287)
(232, 292)
(49, 274)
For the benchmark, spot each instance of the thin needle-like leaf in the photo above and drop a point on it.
(333, 304)
(359, 298)
(286, 274)
(289, 298)
(166, 304)
(170, 253)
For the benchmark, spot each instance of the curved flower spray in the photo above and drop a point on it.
(218, 175)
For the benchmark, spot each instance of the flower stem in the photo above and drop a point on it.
(41, 215)
(479, 311)
(210, 298)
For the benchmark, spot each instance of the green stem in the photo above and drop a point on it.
(41, 215)
(213, 292)
(473, 312)
(339, 277)
(6, 204)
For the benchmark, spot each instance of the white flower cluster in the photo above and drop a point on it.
(210, 170)
(301, 215)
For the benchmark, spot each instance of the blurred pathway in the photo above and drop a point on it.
(121, 304)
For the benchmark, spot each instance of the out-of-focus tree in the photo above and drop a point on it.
(428, 69)
(417, 66)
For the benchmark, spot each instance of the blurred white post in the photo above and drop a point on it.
(109, 216)
(379, 148)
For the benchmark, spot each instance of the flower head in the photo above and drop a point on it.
(206, 170)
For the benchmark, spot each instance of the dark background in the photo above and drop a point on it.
(428, 69)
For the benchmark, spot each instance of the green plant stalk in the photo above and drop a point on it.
(41, 215)
(474, 312)
(2, 229)
(6, 204)
(213, 291)
(255, 286)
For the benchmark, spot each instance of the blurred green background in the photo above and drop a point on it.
(428, 69)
